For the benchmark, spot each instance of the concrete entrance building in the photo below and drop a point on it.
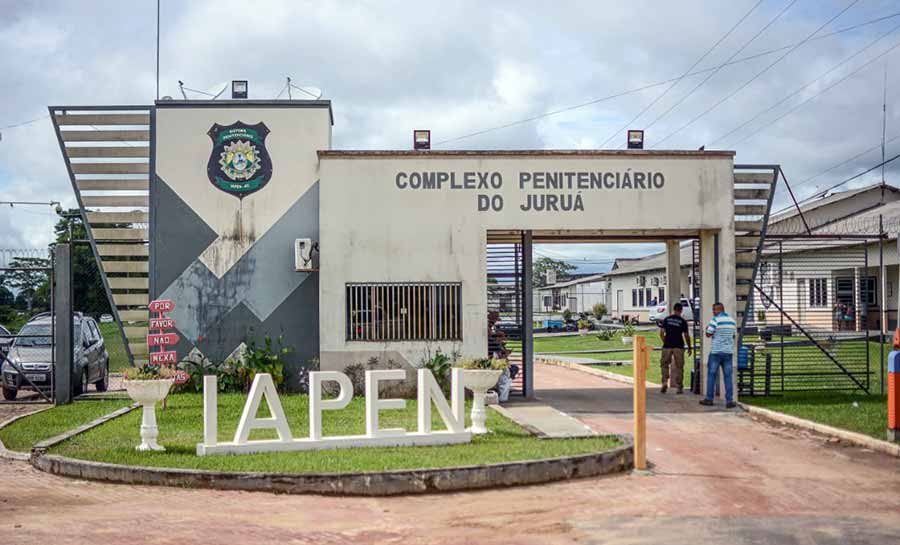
(400, 270)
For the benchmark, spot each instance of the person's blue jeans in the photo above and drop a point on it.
(717, 361)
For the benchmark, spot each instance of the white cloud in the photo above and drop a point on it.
(455, 68)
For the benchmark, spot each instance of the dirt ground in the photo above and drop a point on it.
(718, 477)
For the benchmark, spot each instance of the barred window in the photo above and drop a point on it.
(818, 292)
(404, 311)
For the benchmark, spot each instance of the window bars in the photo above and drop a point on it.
(414, 311)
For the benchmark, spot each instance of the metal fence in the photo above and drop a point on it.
(816, 316)
(27, 327)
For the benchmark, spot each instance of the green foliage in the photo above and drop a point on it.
(544, 264)
(28, 280)
(760, 316)
(484, 364)
(264, 359)
(567, 315)
(607, 334)
(599, 310)
(582, 324)
(88, 295)
(237, 374)
(628, 330)
(440, 366)
(148, 372)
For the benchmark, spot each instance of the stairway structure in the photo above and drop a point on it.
(108, 153)
(754, 188)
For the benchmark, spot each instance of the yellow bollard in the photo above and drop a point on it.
(640, 364)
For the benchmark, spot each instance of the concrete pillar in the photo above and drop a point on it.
(725, 265)
(63, 328)
(527, 315)
(673, 274)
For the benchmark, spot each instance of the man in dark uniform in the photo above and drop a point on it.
(674, 334)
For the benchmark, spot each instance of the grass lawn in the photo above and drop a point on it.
(118, 358)
(181, 428)
(836, 409)
(24, 433)
(555, 345)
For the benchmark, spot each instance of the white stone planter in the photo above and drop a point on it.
(583, 332)
(627, 340)
(148, 393)
(479, 380)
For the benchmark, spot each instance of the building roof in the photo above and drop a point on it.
(827, 200)
(580, 280)
(652, 262)
(324, 154)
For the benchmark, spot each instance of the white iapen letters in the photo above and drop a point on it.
(263, 389)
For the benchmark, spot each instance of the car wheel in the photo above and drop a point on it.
(10, 394)
(103, 383)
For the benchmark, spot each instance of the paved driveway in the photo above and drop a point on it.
(719, 478)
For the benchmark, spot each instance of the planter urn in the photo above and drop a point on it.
(479, 380)
(627, 340)
(148, 393)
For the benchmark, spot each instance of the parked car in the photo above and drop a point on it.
(106, 318)
(552, 326)
(6, 339)
(31, 351)
(658, 313)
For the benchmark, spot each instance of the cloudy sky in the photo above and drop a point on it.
(461, 67)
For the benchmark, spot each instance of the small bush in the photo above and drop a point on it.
(607, 334)
(599, 310)
(567, 315)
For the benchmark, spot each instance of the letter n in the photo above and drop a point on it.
(262, 387)
(429, 391)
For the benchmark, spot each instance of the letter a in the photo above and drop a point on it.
(262, 387)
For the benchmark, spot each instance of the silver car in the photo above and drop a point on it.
(31, 351)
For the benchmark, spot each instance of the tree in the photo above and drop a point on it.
(27, 276)
(87, 286)
(544, 264)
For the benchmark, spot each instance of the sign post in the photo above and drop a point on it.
(640, 364)
(163, 338)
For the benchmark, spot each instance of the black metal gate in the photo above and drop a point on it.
(815, 317)
(27, 326)
(505, 306)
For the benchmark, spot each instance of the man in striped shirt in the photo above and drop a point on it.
(721, 331)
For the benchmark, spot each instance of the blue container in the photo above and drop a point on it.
(743, 357)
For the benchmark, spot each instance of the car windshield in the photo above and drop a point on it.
(33, 335)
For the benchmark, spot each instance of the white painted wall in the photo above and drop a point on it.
(373, 231)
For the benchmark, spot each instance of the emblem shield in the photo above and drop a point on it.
(239, 163)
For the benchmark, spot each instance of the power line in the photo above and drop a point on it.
(663, 82)
(801, 88)
(677, 81)
(23, 123)
(824, 90)
(847, 180)
(720, 66)
(844, 162)
(757, 75)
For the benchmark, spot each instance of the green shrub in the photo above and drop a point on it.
(599, 310)
(567, 315)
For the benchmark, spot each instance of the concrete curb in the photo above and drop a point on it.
(853, 438)
(13, 454)
(388, 483)
(42, 446)
(592, 371)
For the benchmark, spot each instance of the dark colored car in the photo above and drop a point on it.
(31, 351)
(6, 339)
